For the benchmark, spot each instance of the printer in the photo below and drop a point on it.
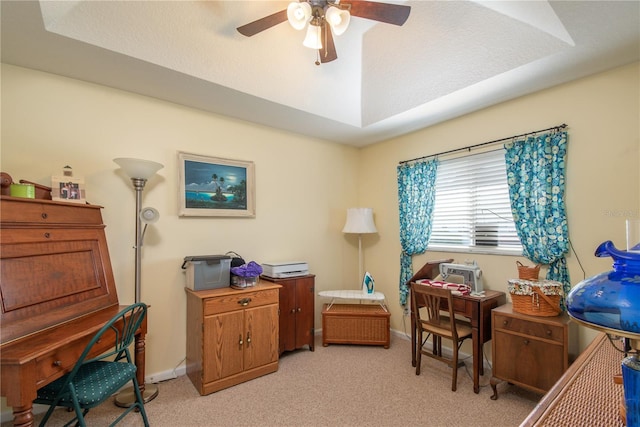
(283, 270)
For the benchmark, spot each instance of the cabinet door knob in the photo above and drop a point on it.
(293, 310)
(299, 309)
(248, 338)
(240, 342)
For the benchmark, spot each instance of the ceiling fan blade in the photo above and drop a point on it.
(395, 14)
(262, 24)
(328, 51)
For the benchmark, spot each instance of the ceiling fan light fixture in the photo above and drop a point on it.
(313, 39)
(338, 19)
(298, 14)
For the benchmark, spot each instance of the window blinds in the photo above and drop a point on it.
(472, 208)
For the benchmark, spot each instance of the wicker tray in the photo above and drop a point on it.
(536, 298)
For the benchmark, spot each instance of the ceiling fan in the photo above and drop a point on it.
(325, 17)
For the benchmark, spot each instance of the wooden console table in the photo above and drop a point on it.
(586, 394)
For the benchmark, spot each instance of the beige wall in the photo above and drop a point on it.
(603, 177)
(304, 185)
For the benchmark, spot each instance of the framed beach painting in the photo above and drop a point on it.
(213, 186)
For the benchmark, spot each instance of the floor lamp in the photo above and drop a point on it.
(139, 171)
(360, 221)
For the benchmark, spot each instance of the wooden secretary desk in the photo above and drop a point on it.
(57, 291)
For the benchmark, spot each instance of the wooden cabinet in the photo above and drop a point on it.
(528, 351)
(232, 336)
(56, 290)
(55, 264)
(297, 312)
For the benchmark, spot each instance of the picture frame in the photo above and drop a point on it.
(214, 186)
(68, 189)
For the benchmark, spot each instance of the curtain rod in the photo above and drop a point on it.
(468, 148)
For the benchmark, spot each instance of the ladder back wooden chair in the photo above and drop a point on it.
(432, 309)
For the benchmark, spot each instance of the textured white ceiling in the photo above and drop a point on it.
(448, 59)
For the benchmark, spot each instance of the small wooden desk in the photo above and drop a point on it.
(478, 311)
(38, 359)
(57, 290)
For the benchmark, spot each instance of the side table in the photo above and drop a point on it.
(529, 351)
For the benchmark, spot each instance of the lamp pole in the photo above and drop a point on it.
(138, 171)
(138, 184)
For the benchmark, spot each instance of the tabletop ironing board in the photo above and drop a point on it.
(354, 295)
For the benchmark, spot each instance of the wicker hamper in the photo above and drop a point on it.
(536, 298)
(364, 324)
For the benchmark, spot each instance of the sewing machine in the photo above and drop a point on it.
(470, 273)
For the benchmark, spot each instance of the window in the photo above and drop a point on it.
(472, 212)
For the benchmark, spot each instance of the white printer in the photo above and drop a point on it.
(282, 270)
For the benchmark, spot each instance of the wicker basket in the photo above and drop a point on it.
(528, 273)
(536, 298)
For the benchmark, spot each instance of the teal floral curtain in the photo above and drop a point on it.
(416, 195)
(536, 178)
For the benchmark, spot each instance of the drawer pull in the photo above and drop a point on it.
(45, 215)
(47, 235)
(57, 363)
(549, 332)
(526, 342)
(244, 301)
(505, 322)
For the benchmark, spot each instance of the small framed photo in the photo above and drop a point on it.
(68, 189)
(213, 186)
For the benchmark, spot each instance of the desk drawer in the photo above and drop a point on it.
(234, 302)
(529, 328)
(29, 211)
(53, 365)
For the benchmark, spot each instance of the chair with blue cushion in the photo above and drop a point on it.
(94, 379)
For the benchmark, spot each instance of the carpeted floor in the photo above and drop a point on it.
(338, 385)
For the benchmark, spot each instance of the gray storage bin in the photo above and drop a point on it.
(207, 271)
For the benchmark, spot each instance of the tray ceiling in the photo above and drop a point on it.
(450, 58)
